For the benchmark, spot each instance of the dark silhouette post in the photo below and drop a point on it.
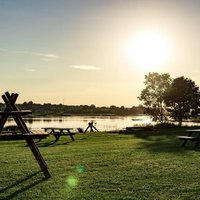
(12, 110)
(92, 127)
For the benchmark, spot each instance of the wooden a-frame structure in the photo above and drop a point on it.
(11, 110)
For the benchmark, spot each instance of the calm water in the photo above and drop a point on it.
(102, 123)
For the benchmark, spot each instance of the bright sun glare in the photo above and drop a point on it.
(148, 50)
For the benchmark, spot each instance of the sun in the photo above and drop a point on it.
(148, 50)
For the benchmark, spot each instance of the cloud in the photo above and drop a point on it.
(85, 67)
(43, 56)
(29, 70)
(3, 50)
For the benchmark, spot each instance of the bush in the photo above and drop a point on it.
(11, 128)
(166, 125)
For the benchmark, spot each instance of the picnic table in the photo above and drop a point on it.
(24, 133)
(57, 132)
(91, 127)
(193, 135)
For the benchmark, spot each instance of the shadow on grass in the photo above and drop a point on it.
(49, 143)
(163, 140)
(52, 144)
(23, 189)
(163, 133)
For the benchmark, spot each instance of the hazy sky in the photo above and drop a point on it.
(75, 51)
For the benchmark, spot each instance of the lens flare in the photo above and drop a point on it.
(72, 181)
(80, 169)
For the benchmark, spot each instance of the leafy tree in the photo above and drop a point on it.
(182, 99)
(152, 95)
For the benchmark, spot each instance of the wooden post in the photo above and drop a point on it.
(38, 157)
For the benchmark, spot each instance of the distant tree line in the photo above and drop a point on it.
(62, 110)
(166, 99)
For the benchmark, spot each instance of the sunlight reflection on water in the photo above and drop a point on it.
(102, 123)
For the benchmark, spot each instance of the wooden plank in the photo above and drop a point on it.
(11, 136)
(34, 134)
(36, 131)
(190, 137)
(9, 101)
(15, 113)
(56, 128)
(187, 138)
(10, 106)
(38, 157)
(63, 134)
(193, 130)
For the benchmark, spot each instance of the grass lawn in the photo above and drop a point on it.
(146, 165)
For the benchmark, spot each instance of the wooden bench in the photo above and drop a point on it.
(191, 137)
(58, 132)
(15, 135)
(24, 133)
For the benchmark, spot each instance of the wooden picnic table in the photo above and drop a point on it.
(58, 131)
(193, 135)
(11, 110)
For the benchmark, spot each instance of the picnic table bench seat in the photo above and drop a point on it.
(64, 134)
(191, 137)
(15, 135)
(187, 138)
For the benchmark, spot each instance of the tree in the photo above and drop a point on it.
(152, 95)
(182, 99)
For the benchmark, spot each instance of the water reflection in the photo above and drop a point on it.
(29, 120)
(103, 123)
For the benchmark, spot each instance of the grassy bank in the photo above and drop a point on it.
(146, 165)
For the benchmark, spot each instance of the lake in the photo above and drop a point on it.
(102, 123)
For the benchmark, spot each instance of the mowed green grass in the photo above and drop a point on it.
(146, 165)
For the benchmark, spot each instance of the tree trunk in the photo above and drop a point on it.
(161, 113)
(180, 122)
